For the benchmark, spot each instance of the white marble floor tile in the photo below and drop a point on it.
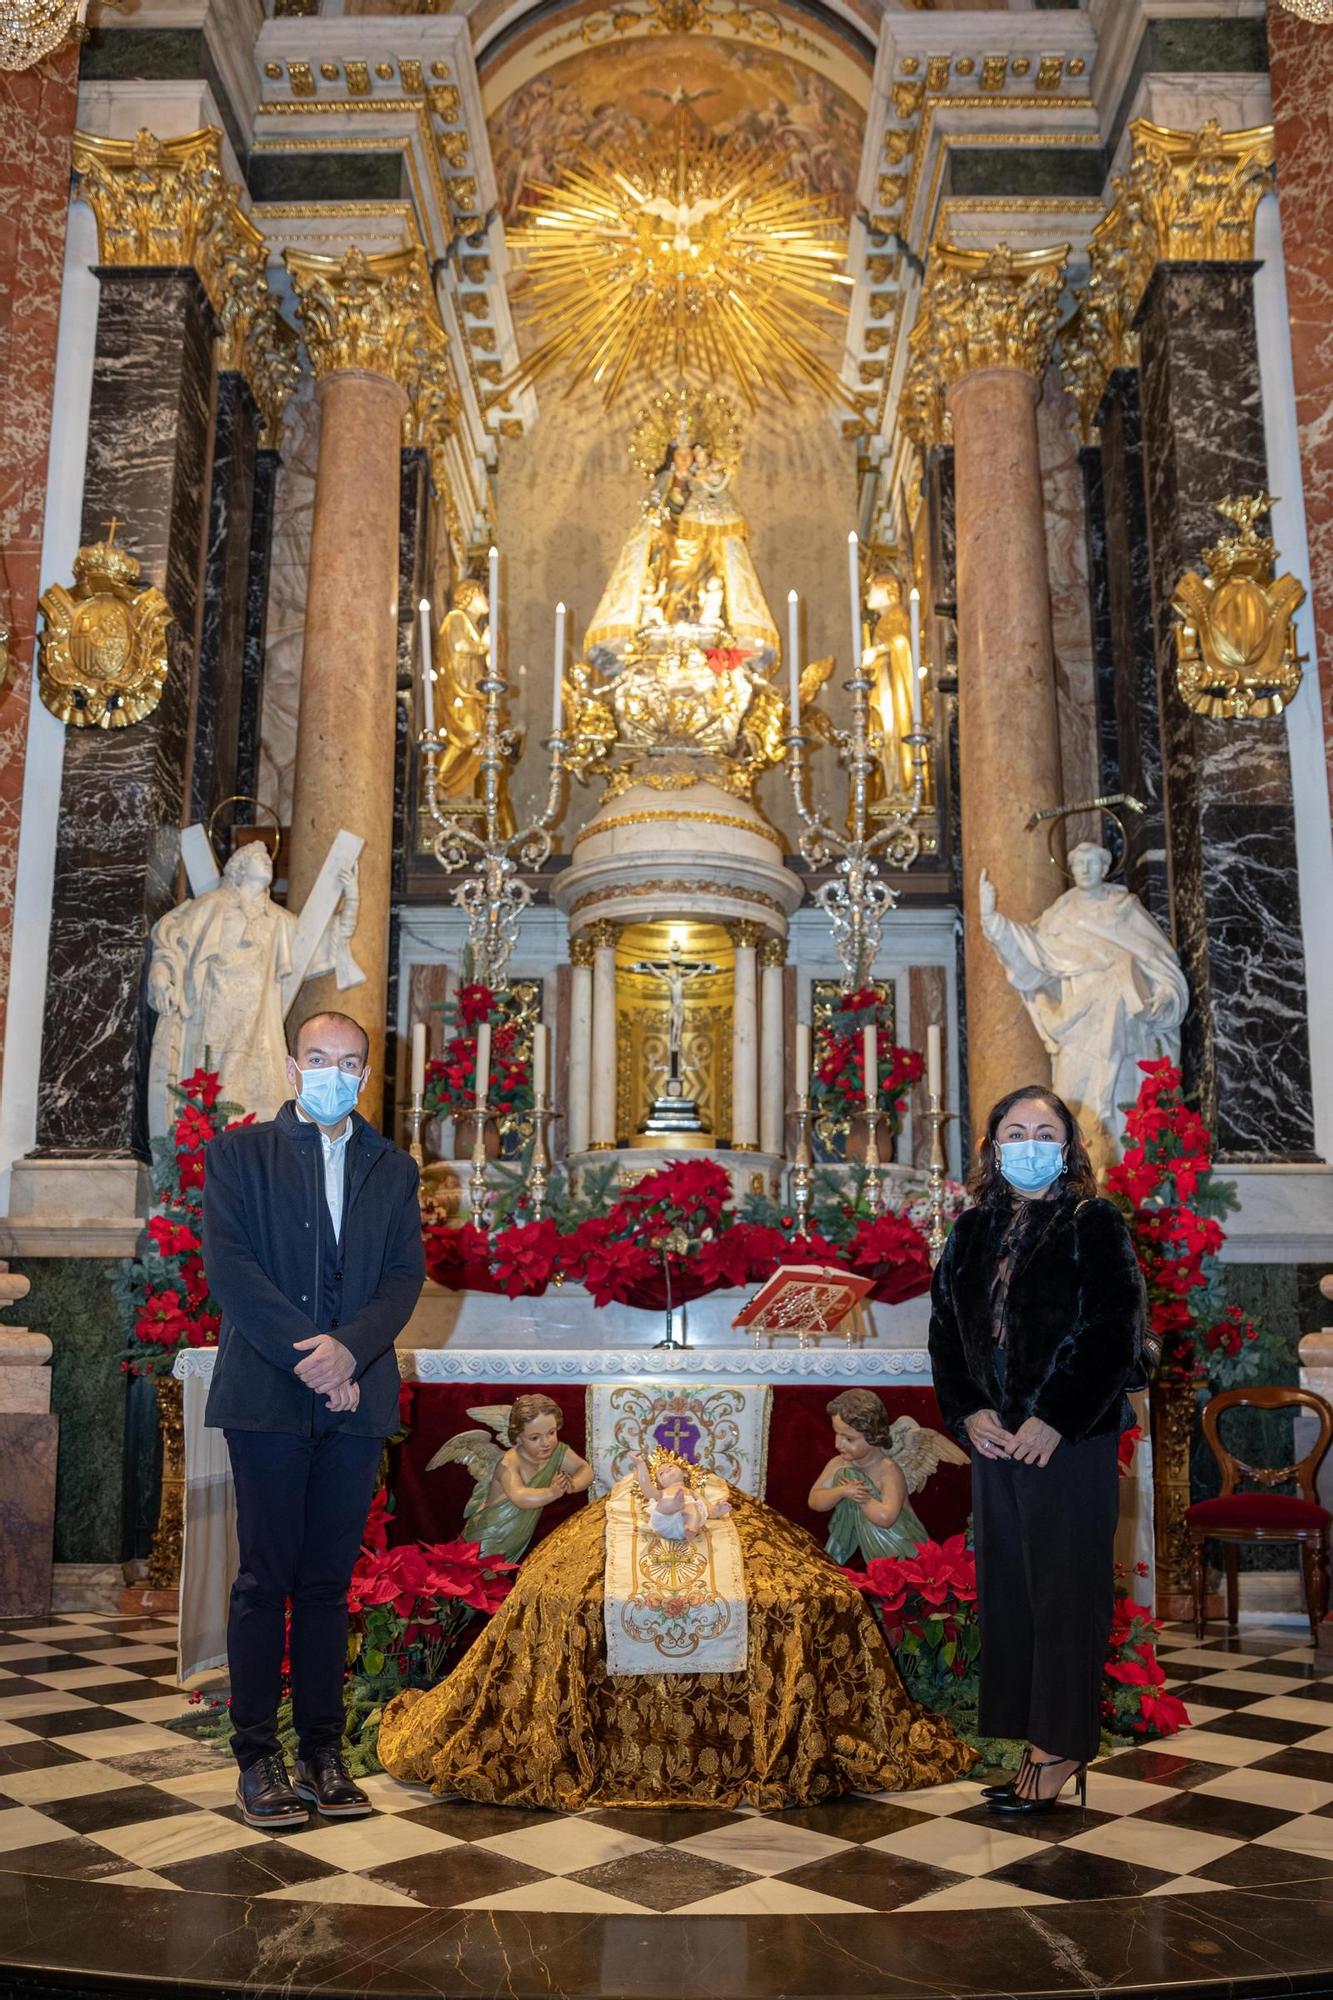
(22, 1826)
(131, 1741)
(388, 1796)
(153, 1843)
(1186, 1885)
(138, 1878)
(341, 1889)
(978, 1895)
(203, 1788)
(372, 1843)
(1312, 1834)
(10, 1733)
(562, 1846)
(1248, 1680)
(13, 1707)
(64, 1633)
(1199, 1716)
(1209, 1748)
(959, 1845)
(62, 1781)
(1297, 1708)
(78, 1677)
(957, 1797)
(761, 1846)
(555, 1896)
(1271, 1788)
(1178, 1848)
(153, 1708)
(1108, 1792)
(24, 1649)
(769, 1897)
(114, 1654)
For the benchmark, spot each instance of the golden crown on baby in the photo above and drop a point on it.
(660, 1458)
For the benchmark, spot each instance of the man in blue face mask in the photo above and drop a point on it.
(312, 1241)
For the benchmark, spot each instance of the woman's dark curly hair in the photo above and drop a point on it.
(988, 1186)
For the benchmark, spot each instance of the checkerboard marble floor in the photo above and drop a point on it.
(93, 1788)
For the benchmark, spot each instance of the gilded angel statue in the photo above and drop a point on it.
(877, 1465)
(513, 1484)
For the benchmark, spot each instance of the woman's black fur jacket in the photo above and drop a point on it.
(1074, 1320)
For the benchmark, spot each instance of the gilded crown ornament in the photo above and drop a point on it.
(102, 654)
(1236, 654)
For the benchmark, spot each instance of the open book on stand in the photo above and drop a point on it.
(807, 1300)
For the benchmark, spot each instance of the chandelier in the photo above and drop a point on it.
(31, 29)
(686, 256)
(1310, 10)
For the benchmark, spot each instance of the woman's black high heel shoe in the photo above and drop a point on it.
(1000, 1791)
(1012, 1801)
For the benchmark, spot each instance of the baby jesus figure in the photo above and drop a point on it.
(677, 1510)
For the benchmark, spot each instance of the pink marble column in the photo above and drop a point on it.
(1301, 74)
(37, 110)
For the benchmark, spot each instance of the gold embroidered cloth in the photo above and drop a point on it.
(672, 1607)
(532, 1717)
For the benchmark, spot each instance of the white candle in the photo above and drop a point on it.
(870, 1059)
(483, 1061)
(493, 596)
(427, 669)
(915, 602)
(934, 1066)
(418, 1057)
(539, 1035)
(557, 702)
(854, 585)
(794, 658)
(802, 1058)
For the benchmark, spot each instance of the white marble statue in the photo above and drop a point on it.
(1103, 986)
(221, 981)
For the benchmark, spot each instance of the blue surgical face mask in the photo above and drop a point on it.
(1031, 1164)
(327, 1095)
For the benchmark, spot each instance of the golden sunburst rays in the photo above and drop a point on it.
(689, 258)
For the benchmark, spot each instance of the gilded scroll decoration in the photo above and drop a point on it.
(1236, 652)
(102, 651)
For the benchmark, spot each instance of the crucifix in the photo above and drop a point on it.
(673, 1111)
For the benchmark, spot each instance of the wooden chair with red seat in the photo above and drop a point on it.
(1234, 1518)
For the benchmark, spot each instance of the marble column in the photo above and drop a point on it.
(37, 113)
(980, 348)
(1301, 76)
(123, 791)
(267, 463)
(745, 937)
(577, 1111)
(602, 1091)
(345, 735)
(1230, 823)
(220, 677)
(772, 1011)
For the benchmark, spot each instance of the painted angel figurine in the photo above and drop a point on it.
(512, 1485)
(678, 1510)
(867, 1483)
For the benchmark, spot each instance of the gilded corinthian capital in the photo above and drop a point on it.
(979, 309)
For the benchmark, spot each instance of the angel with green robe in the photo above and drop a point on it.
(512, 1485)
(867, 1484)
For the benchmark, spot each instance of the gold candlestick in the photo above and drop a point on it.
(478, 1192)
(874, 1191)
(416, 1119)
(938, 1118)
(538, 1176)
(800, 1167)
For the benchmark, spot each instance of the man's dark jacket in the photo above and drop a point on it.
(280, 1278)
(1074, 1318)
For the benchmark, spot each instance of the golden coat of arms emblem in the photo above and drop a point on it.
(102, 654)
(1236, 653)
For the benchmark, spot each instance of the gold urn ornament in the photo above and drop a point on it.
(1236, 651)
(102, 653)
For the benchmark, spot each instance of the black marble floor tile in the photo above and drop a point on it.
(126, 1806)
(11, 1689)
(1254, 1867)
(1209, 1694)
(868, 1876)
(664, 1825)
(186, 1762)
(1205, 1812)
(246, 1871)
(468, 1822)
(83, 1860)
(1259, 1728)
(76, 1722)
(38, 1755)
(1298, 1763)
(1160, 1766)
(1184, 1673)
(663, 1878)
(1051, 1827)
(126, 1690)
(47, 1663)
(1072, 1874)
(855, 1819)
(456, 1875)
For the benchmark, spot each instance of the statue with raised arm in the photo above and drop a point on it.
(1103, 986)
(222, 977)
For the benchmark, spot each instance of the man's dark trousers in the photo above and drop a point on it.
(301, 1507)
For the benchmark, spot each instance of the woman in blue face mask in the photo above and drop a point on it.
(1037, 1317)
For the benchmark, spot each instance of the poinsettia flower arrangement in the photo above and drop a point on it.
(451, 1079)
(1135, 1701)
(1172, 1201)
(838, 1073)
(676, 1228)
(165, 1290)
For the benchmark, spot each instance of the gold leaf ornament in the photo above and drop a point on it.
(102, 653)
(1236, 654)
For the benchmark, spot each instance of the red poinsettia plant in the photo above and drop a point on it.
(165, 1290)
(1171, 1199)
(451, 1079)
(1135, 1701)
(838, 1075)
